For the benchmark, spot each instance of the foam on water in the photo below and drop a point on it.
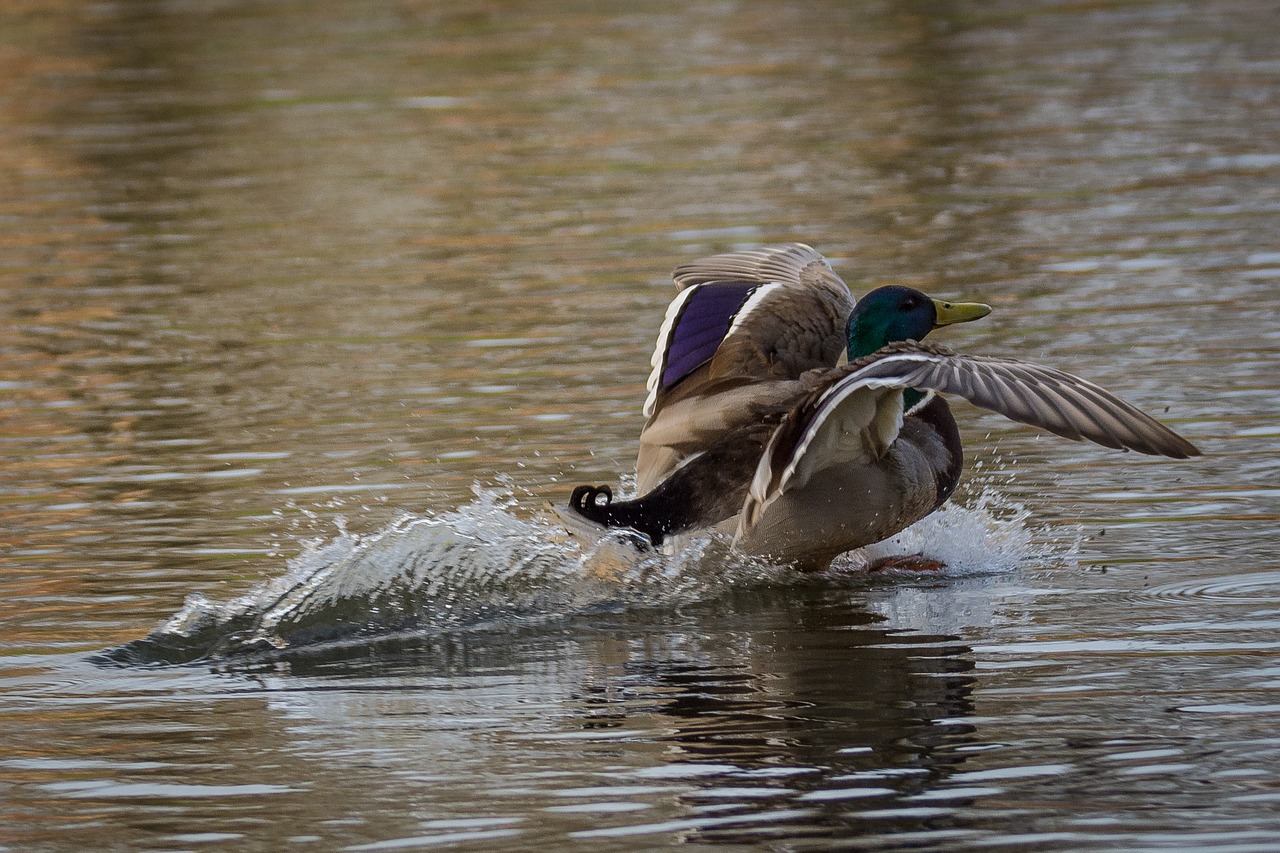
(992, 535)
(485, 565)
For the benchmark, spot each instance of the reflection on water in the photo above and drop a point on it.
(784, 725)
(284, 284)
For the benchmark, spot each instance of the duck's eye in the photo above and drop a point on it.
(907, 305)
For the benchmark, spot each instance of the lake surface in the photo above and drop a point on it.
(309, 308)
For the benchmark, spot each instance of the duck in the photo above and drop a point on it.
(808, 453)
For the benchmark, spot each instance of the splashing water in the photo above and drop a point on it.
(483, 565)
(991, 536)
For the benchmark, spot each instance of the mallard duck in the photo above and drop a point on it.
(835, 457)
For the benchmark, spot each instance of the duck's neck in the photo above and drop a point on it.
(863, 337)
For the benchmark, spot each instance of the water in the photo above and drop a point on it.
(309, 308)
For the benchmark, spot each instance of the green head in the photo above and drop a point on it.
(890, 314)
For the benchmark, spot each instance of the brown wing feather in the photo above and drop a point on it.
(788, 263)
(1029, 393)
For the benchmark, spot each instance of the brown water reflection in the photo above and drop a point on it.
(264, 266)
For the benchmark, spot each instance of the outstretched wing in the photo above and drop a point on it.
(742, 323)
(768, 313)
(1045, 397)
(855, 399)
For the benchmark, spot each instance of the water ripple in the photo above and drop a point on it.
(1252, 586)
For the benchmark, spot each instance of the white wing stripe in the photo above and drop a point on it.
(659, 358)
(750, 305)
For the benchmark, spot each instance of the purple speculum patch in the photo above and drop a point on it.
(704, 320)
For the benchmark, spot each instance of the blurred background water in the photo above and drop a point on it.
(309, 307)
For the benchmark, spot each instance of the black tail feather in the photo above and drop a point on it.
(596, 503)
